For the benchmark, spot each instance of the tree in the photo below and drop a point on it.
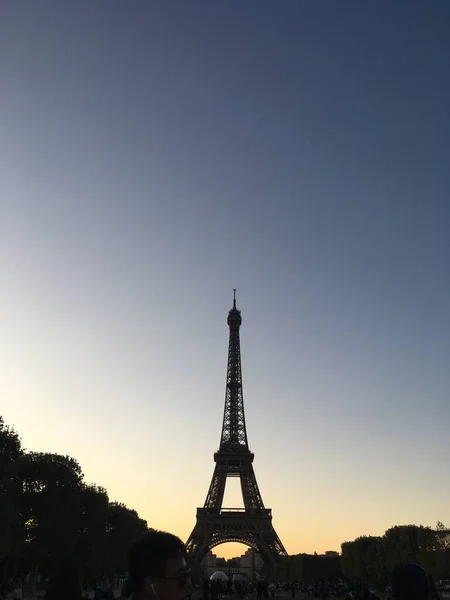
(443, 536)
(363, 559)
(348, 559)
(50, 519)
(375, 559)
(10, 453)
(124, 527)
(92, 536)
(290, 568)
(10, 448)
(310, 568)
(50, 506)
(372, 560)
(360, 549)
(322, 567)
(441, 567)
(409, 543)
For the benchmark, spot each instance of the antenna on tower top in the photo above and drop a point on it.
(234, 297)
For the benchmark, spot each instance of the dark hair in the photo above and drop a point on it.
(149, 556)
(410, 582)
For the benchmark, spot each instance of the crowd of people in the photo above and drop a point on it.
(158, 570)
(409, 582)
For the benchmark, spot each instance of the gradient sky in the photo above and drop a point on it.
(155, 154)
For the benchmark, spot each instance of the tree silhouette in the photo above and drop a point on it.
(370, 558)
(53, 523)
(92, 534)
(50, 507)
(10, 524)
(124, 527)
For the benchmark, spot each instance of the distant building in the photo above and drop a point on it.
(209, 563)
(247, 565)
(251, 562)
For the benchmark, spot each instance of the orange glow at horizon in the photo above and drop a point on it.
(306, 520)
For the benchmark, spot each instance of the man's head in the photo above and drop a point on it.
(157, 567)
(410, 582)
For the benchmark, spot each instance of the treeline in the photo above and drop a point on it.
(372, 558)
(49, 514)
(310, 568)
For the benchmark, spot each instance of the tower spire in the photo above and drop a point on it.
(234, 431)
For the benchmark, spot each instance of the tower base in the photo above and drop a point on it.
(253, 528)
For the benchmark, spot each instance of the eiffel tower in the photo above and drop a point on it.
(251, 525)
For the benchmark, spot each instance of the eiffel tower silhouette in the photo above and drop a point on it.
(251, 525)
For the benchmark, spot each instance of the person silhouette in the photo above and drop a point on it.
(411, 582)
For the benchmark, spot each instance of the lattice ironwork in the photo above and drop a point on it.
(234, 433)
(257, 533)
(252, 525)
(237, 466)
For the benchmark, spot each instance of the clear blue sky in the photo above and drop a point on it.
(154, 155)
